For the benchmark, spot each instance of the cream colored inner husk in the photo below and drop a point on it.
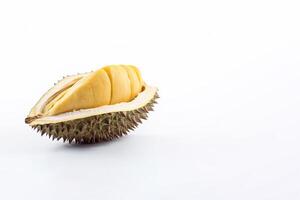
(141, 100)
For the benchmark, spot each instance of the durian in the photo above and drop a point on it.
(95, 106)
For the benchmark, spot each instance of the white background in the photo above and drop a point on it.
(227, 123)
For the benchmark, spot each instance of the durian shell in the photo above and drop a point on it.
(95, 124)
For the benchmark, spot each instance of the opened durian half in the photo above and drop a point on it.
(95, 106)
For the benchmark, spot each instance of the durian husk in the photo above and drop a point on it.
(91, 125)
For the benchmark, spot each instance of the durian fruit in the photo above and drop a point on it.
(95, 106)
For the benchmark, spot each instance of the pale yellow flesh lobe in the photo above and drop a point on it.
(138, 73)
(91, 91)
(109, 85)
(135, 84)
(120, 84)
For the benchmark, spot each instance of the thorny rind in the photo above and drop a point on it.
(98, 128)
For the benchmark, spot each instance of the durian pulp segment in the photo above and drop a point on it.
(138, 73)
(91, 91)
(120, 84)
(135, 84)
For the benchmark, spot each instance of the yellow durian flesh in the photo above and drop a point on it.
(135, 84)
(109, 85)
(120, 84)
(138, 73)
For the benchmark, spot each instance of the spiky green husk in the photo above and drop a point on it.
(98, 128)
